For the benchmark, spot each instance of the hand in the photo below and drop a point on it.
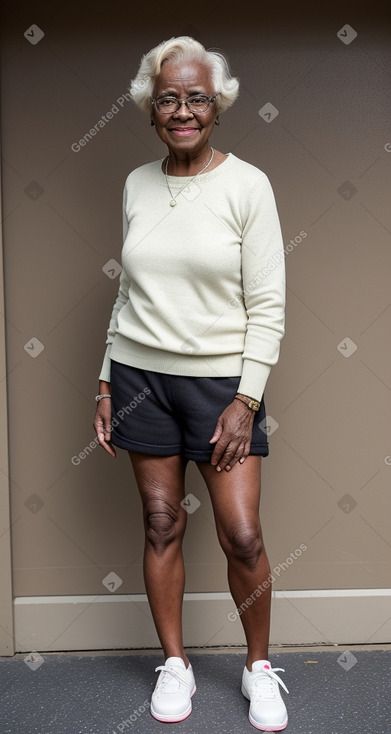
(102, 425)
(233, 434)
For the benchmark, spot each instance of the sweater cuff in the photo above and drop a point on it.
(106, 366)
(254, 378)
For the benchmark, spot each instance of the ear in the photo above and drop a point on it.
(217, 121)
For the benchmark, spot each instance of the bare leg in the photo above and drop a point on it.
(160, 480)
(235, 498)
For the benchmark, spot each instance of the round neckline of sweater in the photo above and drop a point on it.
(201, 176)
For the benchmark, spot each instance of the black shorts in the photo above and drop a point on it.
(160, 414)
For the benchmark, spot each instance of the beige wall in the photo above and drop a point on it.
(326, 481)
(6, 608)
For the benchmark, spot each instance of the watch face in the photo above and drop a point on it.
(254, 404)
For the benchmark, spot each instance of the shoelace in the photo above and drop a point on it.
(181, 677)
(263, 682)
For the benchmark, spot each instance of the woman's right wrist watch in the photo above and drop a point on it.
(250, 402)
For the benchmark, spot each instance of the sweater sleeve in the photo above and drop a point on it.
(263, 282)
(122, 298)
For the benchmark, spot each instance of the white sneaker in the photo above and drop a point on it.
(267, 709)
(171, 699)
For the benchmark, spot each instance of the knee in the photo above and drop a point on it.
(245, 544)
(161, 524)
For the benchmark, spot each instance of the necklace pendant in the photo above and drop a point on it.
(187, 185)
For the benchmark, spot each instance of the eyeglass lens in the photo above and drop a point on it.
(197, 103)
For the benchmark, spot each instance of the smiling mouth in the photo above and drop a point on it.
(183, 130)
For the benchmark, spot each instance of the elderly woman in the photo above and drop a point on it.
(194, 332)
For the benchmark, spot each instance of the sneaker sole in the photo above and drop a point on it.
(172, 719)
(263, 727)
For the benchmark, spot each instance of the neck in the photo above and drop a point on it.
(188, 164)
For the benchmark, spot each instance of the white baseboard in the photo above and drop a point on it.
(120, 621)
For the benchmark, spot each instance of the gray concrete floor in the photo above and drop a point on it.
(331, 691)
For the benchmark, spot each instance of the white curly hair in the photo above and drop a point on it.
(183, 49)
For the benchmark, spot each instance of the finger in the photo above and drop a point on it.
(231, 456)
(106, 445)
(103, 434)
(224, 455)
(107, 432)
(110, 449)
(221, 447)
(238, 455)
(246, 452)
(217, 432)
(218, 451)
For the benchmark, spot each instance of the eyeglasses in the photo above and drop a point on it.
(196, 103)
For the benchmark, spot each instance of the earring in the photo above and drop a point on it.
(152, 123)
(217, 121)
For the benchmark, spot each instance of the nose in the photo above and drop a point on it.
(183, 111)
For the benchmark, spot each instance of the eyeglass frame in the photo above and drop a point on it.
(184, 101)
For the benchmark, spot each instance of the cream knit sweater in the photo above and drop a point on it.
(202, 289)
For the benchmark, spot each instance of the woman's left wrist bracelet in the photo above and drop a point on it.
(100, 397)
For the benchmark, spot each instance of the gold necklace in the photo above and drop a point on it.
(173, 198)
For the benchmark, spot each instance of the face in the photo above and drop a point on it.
(185, 132)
